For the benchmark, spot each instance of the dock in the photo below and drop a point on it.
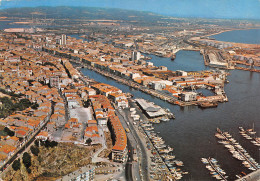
(150, 109)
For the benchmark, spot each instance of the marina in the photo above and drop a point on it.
(237, 150)
(163, 151)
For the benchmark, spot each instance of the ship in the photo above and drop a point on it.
(208, 104)
(173, 57)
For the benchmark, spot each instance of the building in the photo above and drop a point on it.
(158, 85)
(54, 81)
(181, 73)
(135, 56)
(188, 96)
(150, 109)
(63, 39)
(84, 174)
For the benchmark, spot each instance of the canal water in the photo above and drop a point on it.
(251, 36)
(191, 134)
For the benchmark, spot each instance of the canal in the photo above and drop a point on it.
(191, 134)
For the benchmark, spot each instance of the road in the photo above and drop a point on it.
(128, 167)
(144, 161)
(58, 133)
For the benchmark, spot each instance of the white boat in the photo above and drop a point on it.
(164, 119)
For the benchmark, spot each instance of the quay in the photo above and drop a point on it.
(169, 172)
(136, 126)
(130, 83)
(251, 177)
(247, 69)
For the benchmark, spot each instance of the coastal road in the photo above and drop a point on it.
(128, 167)
(144, 161)
(132, 144)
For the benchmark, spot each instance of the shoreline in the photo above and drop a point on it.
(235, 29)
(223, 31)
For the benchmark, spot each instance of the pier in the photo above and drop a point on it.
(213, 166)
(238, 150)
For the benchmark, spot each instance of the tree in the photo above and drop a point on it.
(23, 104)
(35, 150)
(16, 164)
(8, 131)
(48, 143)
(53, 144)
(36, 143)
(29, 170)
(88, 141)
(35, 106)
(27, 160)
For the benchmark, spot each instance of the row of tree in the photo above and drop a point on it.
(27, 161)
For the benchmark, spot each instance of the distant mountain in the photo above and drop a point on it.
(142, 18)
(64, 12)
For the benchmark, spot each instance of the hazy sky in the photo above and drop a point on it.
(247, 9)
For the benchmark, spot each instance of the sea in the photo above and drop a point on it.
(191, 133)
(251, 36)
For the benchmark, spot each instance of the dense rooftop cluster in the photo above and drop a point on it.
(53, 84)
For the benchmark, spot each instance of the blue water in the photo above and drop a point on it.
(5, 25)
(251, 36)
(185, 60)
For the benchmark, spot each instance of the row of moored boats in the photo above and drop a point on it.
(237, 150)
(250, 134)
(214, 168)
(165, 151)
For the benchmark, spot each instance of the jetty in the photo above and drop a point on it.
(217, 169)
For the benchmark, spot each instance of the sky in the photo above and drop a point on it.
(231, 9)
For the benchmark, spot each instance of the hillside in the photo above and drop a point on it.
(64, 12)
